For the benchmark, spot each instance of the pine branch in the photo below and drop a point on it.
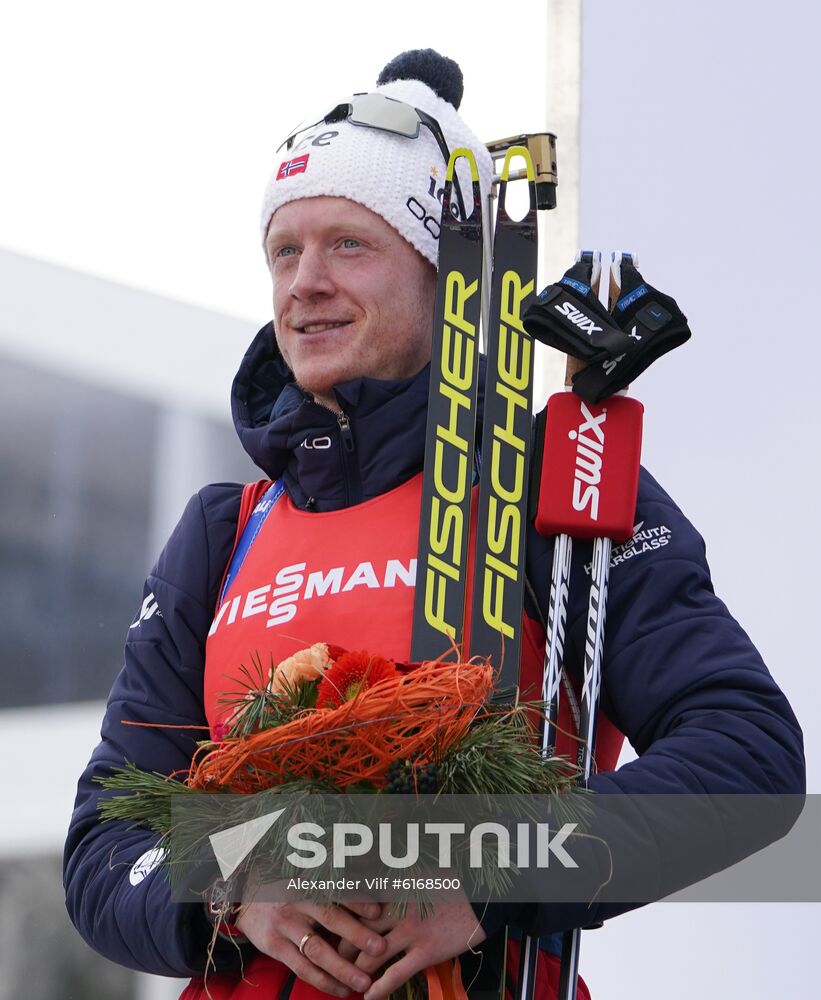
(148, 801)
(497, 756)
(256, 707)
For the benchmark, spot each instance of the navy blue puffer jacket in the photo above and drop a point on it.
(681, 680)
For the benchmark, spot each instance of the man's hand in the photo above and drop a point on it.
(276, 929)
(447, 931)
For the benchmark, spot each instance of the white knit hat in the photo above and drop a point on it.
(400, 179)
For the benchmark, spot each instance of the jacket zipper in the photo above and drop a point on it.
(348, 448)
(346, 432)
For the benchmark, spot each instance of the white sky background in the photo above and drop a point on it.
(700, 150)
(136, 139)
(138, 136)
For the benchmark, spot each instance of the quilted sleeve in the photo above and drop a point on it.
(118, 899)
(685, 684)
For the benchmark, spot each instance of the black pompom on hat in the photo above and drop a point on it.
(442, 75)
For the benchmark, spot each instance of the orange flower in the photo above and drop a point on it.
(351, 674)
(306, 665)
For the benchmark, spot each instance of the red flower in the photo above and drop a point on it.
(352, 673)
(220, 731)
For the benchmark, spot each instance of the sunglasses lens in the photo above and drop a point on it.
(378, 111)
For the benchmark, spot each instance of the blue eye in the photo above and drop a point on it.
(350, 243)
(285, 251)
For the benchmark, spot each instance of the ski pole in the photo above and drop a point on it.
(554, 653)
(589, 482)
(589, 475)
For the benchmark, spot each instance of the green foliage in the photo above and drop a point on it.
(498, 756)
(256, 707)
(148, 802)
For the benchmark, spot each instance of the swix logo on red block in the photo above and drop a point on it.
(298, 165)
(590, 470)
(589, 438)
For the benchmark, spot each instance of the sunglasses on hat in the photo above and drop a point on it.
(385, 114)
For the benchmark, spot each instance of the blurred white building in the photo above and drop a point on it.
(114, 410)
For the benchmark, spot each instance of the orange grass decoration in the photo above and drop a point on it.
(431, 706)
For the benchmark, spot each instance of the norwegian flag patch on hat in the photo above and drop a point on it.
(288, 168)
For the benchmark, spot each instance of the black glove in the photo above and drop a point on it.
(570, 317)
(644, 325)
(654, 325)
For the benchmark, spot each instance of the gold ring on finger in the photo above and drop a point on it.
(304, 941)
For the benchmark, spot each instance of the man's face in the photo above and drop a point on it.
(351, 297)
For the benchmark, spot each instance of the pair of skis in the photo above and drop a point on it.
(505, 453)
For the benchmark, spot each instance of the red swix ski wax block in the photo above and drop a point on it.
(590, 468)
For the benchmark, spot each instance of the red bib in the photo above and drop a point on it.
(344, 577)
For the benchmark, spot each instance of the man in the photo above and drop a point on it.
(331, 400)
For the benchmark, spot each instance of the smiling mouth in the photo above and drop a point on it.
(322, 327)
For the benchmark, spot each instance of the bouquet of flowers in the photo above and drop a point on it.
(328, 720)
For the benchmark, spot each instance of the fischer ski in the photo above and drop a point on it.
(499, 567)
(444, 522)
(496, 618)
